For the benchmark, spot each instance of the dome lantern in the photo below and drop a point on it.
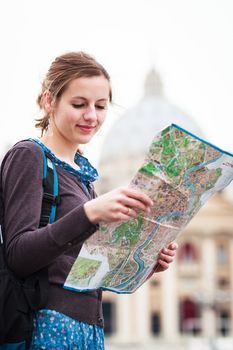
(153, 85)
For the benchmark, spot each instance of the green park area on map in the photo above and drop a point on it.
(180, 173)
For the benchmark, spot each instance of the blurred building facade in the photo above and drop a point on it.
(194, 296)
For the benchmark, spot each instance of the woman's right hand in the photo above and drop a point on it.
(121, 204)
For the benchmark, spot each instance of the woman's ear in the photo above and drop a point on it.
(48, 102)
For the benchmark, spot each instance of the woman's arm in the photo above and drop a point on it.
(29, 248)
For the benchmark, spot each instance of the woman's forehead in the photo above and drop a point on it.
(85, 86)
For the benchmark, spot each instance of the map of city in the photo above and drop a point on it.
(180, 173)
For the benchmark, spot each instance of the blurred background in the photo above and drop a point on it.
(170, 61)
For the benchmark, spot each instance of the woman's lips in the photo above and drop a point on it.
(86, 128)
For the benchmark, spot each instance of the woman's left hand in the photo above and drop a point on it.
(165, 258)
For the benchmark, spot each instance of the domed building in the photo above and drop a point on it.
(193, 297)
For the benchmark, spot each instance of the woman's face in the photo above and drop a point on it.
(81, 109)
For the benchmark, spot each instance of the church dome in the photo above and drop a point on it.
(135, 129)
(128, 140)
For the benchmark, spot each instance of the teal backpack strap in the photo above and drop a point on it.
(50, 191)
(51, 197)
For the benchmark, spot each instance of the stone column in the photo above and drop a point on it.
(133, 316)
(142, 313)
(169, 307)
(124, 318)
(208, 286)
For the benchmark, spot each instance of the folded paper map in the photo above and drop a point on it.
(180, 173)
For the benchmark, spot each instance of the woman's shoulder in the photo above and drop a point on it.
(23, 163)
(27, 144)
(26, 151)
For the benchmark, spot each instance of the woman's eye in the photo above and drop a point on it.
(101, 107)
(84, 105)
(78, 105)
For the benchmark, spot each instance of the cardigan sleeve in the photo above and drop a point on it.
(29, 248)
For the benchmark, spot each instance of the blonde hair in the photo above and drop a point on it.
(62, 71)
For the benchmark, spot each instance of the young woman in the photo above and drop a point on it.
(75, 97)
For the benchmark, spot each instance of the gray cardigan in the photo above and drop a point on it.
(57, 245)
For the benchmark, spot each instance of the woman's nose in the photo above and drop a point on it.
(90, 113)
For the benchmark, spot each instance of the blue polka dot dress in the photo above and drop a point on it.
(54, 330)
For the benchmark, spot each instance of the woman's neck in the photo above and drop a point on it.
(62, 149)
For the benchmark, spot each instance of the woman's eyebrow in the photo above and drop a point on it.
(102, 99)
(78, 97)
(84, 98)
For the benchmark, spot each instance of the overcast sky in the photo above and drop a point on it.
(189, 42)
